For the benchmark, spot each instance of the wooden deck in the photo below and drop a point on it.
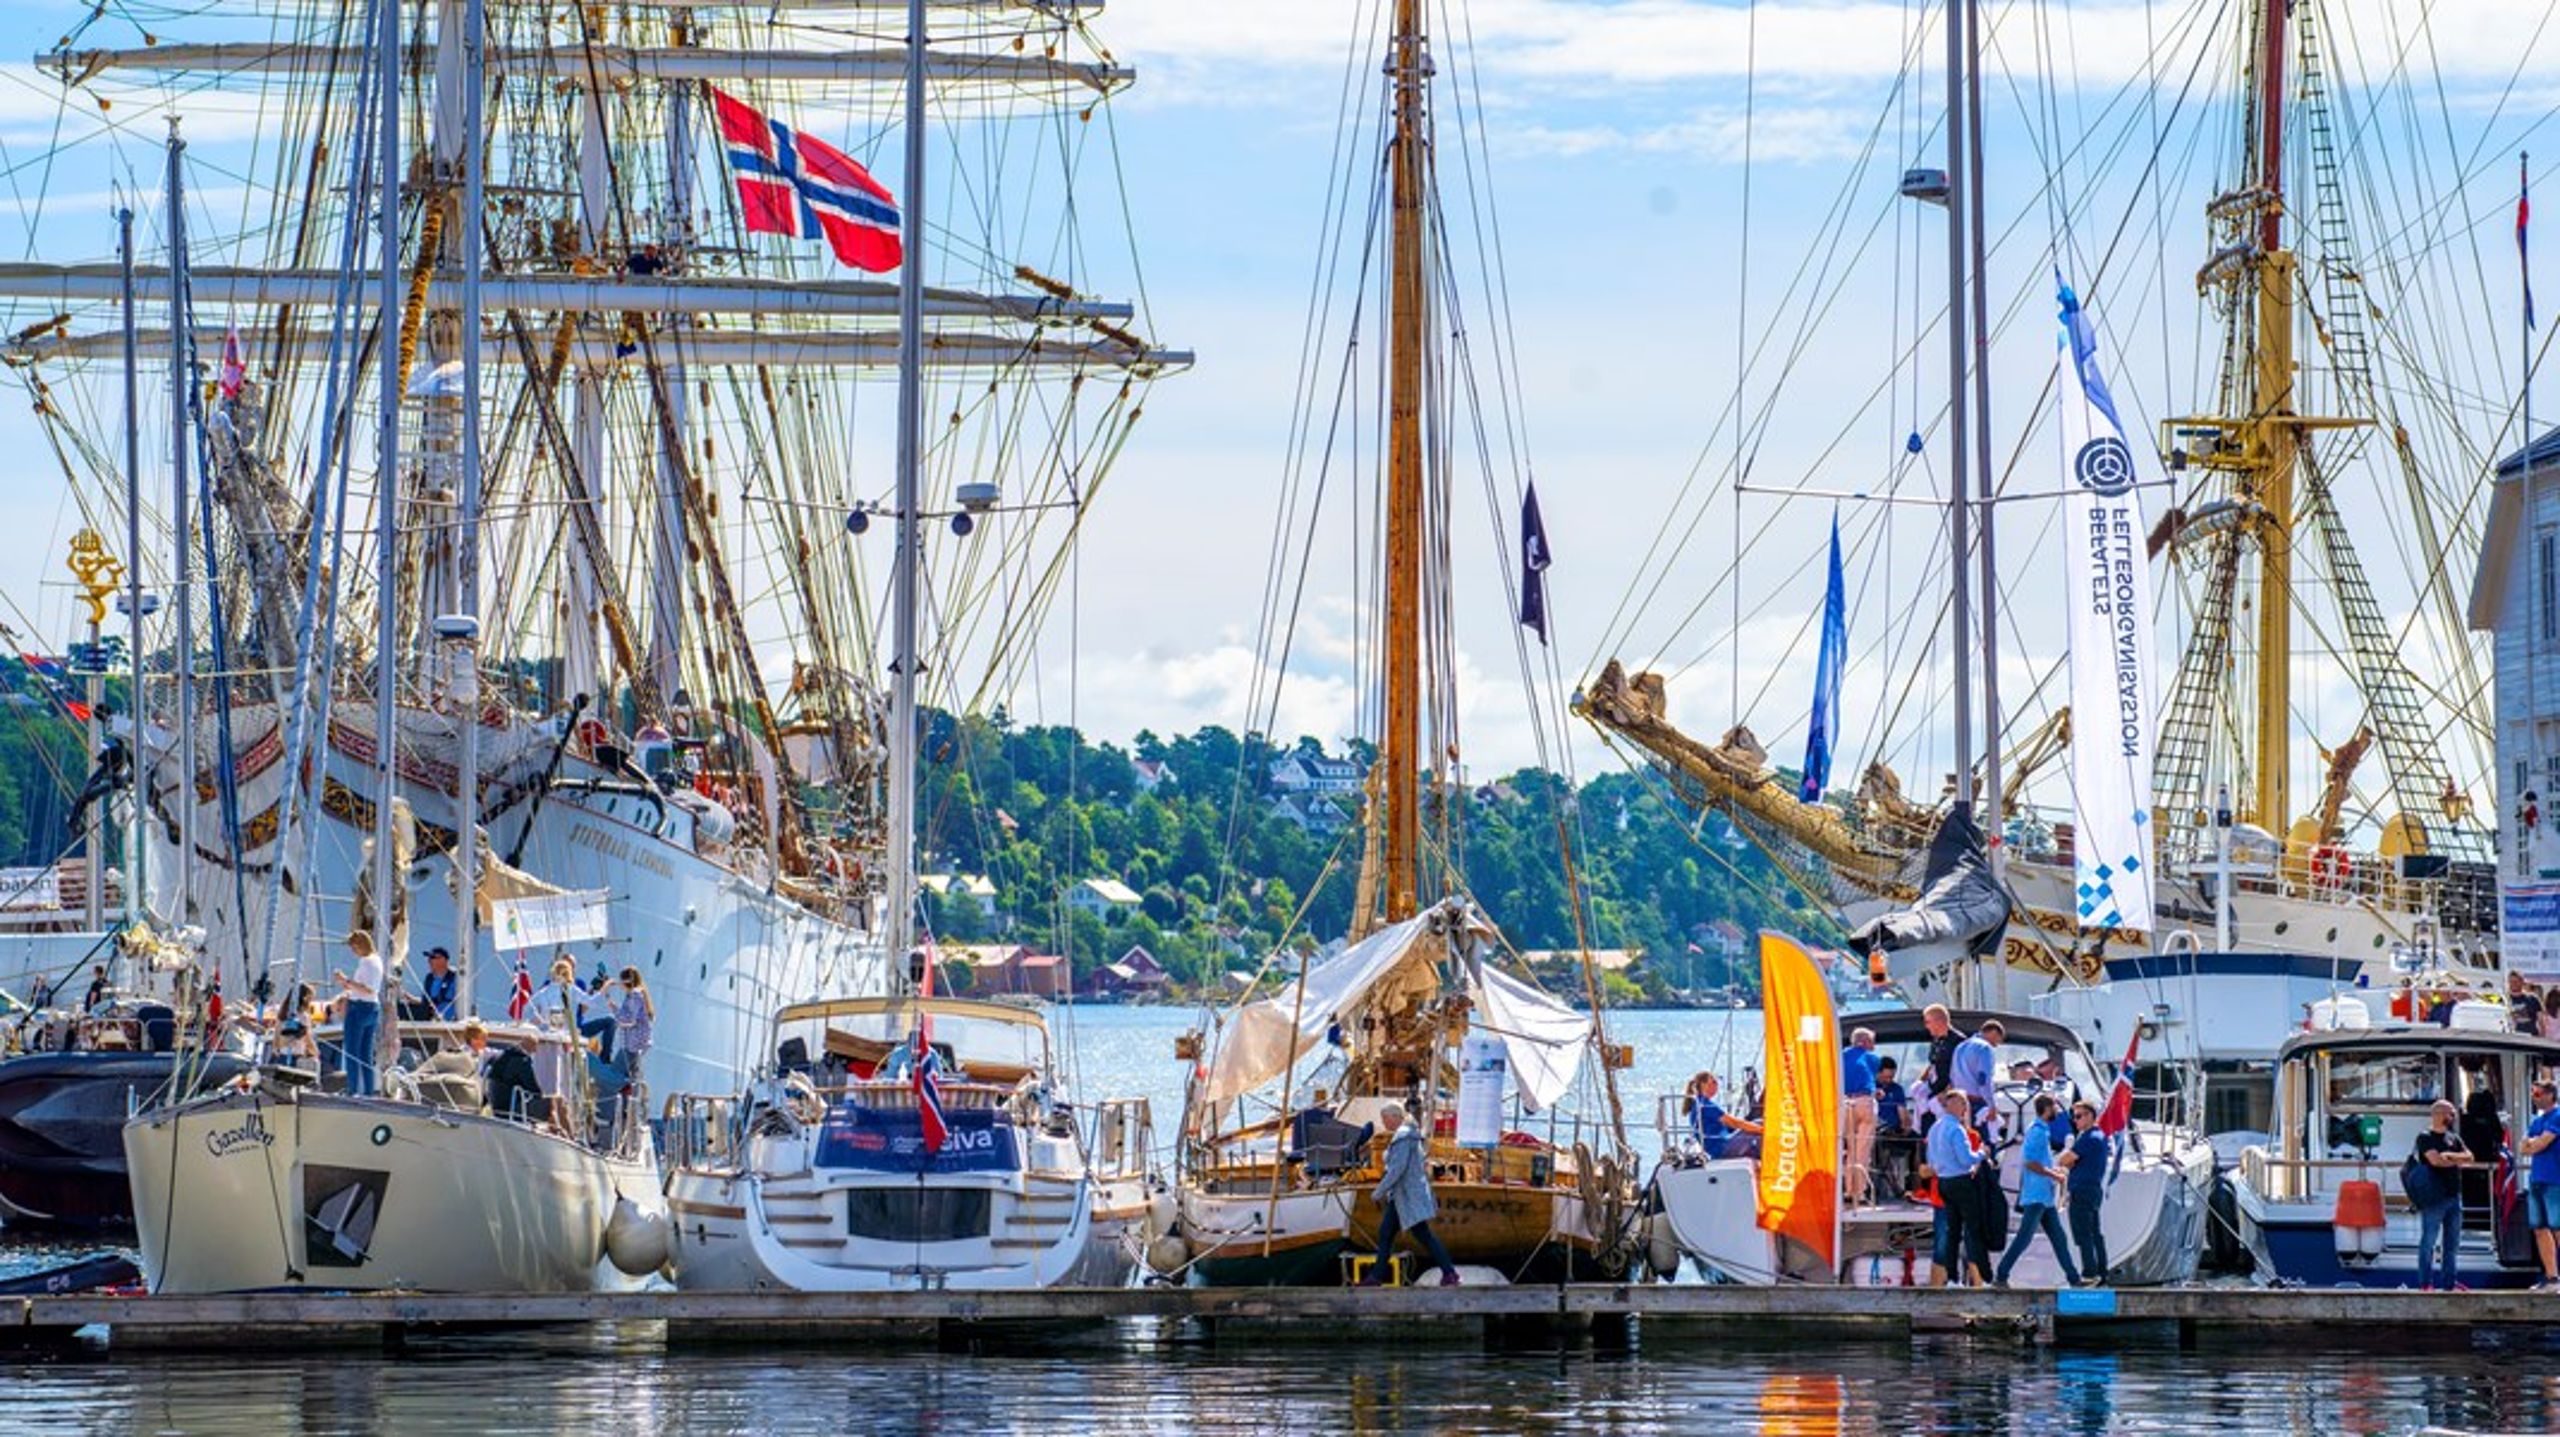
(1665, 1313)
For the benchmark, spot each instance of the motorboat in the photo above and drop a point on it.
(825, 1175)
(2320, 1203)
(1706, 1209)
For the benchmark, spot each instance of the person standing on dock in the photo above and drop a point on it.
(2084, 1165)
(1858, 1066)
(1953, 1161)
(2440, 1221)
(2542, 1198)
(1404, 1198)
(2038, 1171)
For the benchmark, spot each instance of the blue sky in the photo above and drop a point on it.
(1617, 132)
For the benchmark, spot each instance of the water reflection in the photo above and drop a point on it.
(623, 1380)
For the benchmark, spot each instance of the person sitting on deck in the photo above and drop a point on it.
(1897, 1146)
(1709, 1124)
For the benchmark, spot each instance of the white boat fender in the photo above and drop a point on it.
(1168, 1253)
(1661, 1246)
(638, 1243)
(1163, 1215)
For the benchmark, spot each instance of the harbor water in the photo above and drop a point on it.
(1146, 1377)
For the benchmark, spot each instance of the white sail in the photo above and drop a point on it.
(2112, 683)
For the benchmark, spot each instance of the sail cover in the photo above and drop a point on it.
(1960, 901)
(1543, 1037)
(2109, 598)
(1268, 1036)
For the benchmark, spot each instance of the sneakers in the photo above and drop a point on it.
(1449, 1279)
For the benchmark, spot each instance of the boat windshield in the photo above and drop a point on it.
(988, 1040)
(2403, 1079)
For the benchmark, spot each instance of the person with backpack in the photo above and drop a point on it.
(2433, 1180)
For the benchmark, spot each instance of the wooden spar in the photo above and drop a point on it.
(2270, 440)
(1400, 739)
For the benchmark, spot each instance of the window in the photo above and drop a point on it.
(2374, 1080)
(919, 1214)
(2546, 583)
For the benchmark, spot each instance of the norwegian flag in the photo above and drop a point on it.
(521, 999)
(791, 184)
(51, 676)
(234, 373)
(928, 1085)
(2117, 1115)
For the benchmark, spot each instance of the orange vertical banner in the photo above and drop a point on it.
(1800, 1143)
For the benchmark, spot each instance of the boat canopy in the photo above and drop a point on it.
(1396, 965)
(987, 1036)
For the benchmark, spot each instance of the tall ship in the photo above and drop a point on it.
(655, 685)
(1422, 1011)
(2318, 752)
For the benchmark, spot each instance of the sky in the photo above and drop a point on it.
(1697, 214)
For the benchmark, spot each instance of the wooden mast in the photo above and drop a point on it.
(1400, 741)
(2270, 440)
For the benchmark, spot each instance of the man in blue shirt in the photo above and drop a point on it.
(1897, 1147)
(441, 987)
(2037, 1173)
(2086, 1165)
(1976, 1066)
(1858, 1109)
(2542, 1198)
(1709, 1123)
(1954, 1162)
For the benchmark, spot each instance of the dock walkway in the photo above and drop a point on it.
(283, 1319)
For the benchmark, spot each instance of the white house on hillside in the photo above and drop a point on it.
(1102, 897)
(1302, 773)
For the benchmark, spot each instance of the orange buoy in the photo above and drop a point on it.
(2356, 1222)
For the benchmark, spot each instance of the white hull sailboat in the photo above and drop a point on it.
(823, 1181)
(281, 1186)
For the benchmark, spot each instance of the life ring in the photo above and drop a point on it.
(593, 734)
(2331, 867)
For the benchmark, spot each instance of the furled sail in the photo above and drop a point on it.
(1960, 900)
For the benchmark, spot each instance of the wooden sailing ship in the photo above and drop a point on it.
(1279, 1147)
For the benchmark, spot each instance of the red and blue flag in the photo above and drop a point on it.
(792, 184)
(521, 998)
(928, 1085)
(2524, 214)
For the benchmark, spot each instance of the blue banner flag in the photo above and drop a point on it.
(1534, 558)
(1822, 734)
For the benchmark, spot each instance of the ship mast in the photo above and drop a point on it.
(1400, 661)
(2268, 441)
(903, 579)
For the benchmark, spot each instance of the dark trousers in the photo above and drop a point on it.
(1390, 1225)
(1966, 1201)
(2036, 1218)
(599, 1028)
(2091, 1239)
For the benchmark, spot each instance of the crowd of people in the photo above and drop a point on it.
(1940, 1142)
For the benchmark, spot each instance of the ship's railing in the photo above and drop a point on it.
(2309, 1179)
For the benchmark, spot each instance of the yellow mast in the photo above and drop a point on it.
(1400, 659)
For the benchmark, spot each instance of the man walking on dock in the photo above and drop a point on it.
(2085, 1186)
(2542, 1198)
(2037, 1172)
(1404, 1198)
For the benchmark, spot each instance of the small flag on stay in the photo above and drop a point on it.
(1534, 558)
(2524, 214)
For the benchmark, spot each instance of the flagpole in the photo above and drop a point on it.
(900, 876)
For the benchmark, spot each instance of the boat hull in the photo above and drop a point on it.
(62, 1119)
(1301, 1237)
(2296, 1244)
(262, 1190)
(777, 1222)
(720, 946)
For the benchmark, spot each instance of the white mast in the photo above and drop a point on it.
(134, 822)
(466, 824)
(901, 934)
(182, 905)
(386, 670)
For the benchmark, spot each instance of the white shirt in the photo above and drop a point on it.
(367, 983)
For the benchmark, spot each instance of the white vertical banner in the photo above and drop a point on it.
(1484, 1068)
(2112, 680)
